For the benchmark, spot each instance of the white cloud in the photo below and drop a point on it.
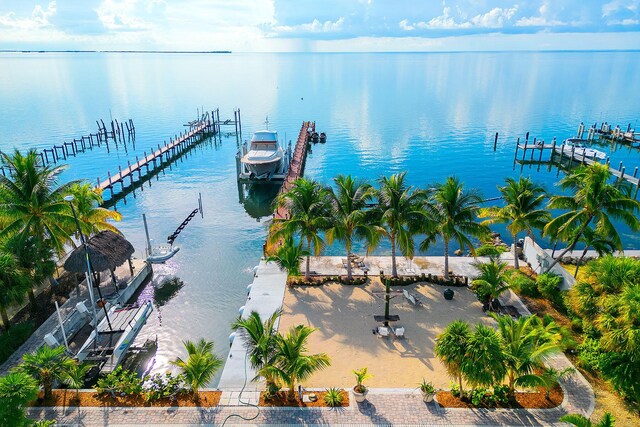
(495, 18)
(39, 18)
(542, 20)
(121, 15)
(444, 21)
(314, 26)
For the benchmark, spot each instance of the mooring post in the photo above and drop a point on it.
(235, 120)
(524, 151)
(515, 155)
(239, 122)
(495, 142)
(622, 173)
(573, 149)
(635, 172)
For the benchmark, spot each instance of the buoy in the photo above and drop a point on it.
(232, 337)
(249, 289)
(241, 310)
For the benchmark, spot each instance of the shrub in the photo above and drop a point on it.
(160, 386)
(478, 396)
(272, 390)
(13, 338)
(524, 285)
(549, 285)
(333, 397)
(490, 250)
(501, 393)
(455, 390)
(120, 381)
(623, 371)
(590, 354)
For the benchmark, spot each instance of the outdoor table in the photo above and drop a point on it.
(386, 320)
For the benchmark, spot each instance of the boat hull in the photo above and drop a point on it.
(263, 169)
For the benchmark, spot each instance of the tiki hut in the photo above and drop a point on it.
(107, 251)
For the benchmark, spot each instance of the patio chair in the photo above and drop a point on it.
(413, 300)
(382, 331)
(398, 332)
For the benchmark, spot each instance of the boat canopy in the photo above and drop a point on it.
(265, 136)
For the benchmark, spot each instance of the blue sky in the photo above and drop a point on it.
(320, 25)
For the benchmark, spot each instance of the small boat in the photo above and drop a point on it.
(161, 253)
(576, 146)
(323, 137)
(265, 156)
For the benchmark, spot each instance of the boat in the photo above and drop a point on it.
(161, 253)
(323, 137)
(264, 156)
(576, 146)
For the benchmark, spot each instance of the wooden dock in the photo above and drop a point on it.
(295, 171)
(150, 162)
(537, 148)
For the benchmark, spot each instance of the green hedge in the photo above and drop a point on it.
(13, 338)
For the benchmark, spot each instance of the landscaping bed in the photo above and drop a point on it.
(63, 397)
(282, 399)
(528, 400)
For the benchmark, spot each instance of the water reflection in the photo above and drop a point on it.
(257, 198)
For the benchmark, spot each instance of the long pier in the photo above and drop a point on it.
(295, 171)
(164, 153)
(563, 152)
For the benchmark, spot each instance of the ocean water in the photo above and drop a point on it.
(433, 115)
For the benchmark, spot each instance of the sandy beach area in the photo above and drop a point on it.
(343, 317)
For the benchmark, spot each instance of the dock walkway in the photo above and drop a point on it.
(163, 153)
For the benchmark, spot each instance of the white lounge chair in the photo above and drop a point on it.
(382, 331)
(413, 300)
(398, 332)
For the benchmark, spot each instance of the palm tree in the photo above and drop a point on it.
(400, 215)
(76, 376)
(14, 284)
(525, 346)
(492, 281)
(578, 420)
(288, 256)
(36, 218)
(200, 366)
(291, 363)
(601, 243)
(349, 218)
(47, 365)
(451, 348)
(309, 210)
(92, 217)
(484, 361)
(260, 338)
(523, 209)
(17, 390)
(453, 212)
(593, 200)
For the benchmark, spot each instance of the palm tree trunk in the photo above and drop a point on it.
(571, 246)
(460, 383)
(580, 261)
(516, 264)
(32, 299)
(446, 259)
(47, 385)
(306, 271)
(348, 262)
(394, 271)
(5, 318)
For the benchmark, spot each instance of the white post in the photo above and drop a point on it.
(93, 302)
(64, 334)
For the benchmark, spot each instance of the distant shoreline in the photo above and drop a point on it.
(112, 51)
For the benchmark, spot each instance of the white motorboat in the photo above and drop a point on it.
(161, 253)
(576, 146)
(264, 156)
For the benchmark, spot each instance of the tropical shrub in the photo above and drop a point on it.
(361, 375)
(451, 348)
(13, 338)
(484, 362)
(490, 250)
(333, 397)
(47, 365)
(76, 375)
(549, 285)
(161, 386)
(17, 390)
(590, 354)
(524, 285)
(200, 365)
(120, 381)
(623, 371)
(578, 420)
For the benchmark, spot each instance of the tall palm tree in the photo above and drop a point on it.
(36, 218)
(578, 420)
(47, 365)
(492, 281)
(453, 212)
(292, 363)
(200, 365)
(349, 217)
(14, 284)
(523, 209)
(17, 390)
(92, 217)
(525, 347)
(593, 200)
(260, 338)
(600, 242)
(451, 348)
(288, 256)
(400, 215)
(309, 210)
(484, 361)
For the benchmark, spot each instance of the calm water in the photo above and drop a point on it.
(432, 114)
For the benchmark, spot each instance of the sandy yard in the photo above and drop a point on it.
(343, 316)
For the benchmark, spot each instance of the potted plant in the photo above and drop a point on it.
(428, 391)
(360, 391)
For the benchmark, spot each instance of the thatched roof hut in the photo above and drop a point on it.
(107, 250)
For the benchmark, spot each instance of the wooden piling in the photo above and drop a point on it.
(495, 142)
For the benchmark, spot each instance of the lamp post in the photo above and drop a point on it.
(69, 198)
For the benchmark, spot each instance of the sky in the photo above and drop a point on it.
(320, 25)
